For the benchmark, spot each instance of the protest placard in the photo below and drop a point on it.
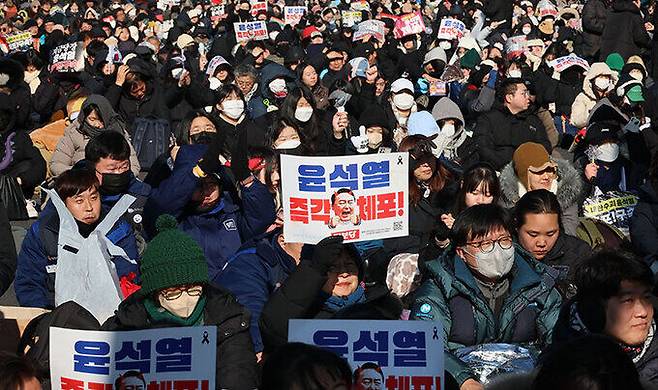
(408, 353)
(67, 57)
(19, 42)
(515, 46)
(614, 208)
(438, 88)
(183, 357)
(408, 24)
(562, 63)
(360, 6)
(293, 14)
(257, 7)
(363, 199)
(450, 29)
(250, 31)
(375, 28)
(350, 18)
(217, 11)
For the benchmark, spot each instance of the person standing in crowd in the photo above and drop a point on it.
(625, 31)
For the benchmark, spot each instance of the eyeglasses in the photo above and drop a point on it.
(487, 246)
(193, 291)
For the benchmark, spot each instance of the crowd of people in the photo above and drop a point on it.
(152, 133)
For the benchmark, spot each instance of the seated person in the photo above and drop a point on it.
(37, 260)
(175, 292)
(614, 298)
(486, 290)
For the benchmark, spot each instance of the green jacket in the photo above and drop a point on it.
(451, 295)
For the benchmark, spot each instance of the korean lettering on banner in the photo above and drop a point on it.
(250, 31)
(451, 29)
(361, 198)
(350, 18)
(614, 208)
(258, 7)
(19, 42)
(375, 28)
(360, 6)
(217, 11)
(409, 24)
(293, 14)
(165, 358)
(515, 46)
(67, 57)
(409, 353)
(562, 63)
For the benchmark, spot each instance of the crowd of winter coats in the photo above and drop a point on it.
(511, 125)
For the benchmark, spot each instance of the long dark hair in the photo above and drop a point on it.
(309, 132)
(440, 175)
(480, 173)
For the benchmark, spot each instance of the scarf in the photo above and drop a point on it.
(160, 315)
(334, 304)
(250, 94)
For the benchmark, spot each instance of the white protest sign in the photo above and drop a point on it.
(362, 197)
(250, 31)
(360, 6)
(217, 11)
(409, 24)
(451, 29)
(293, 14)
(67, 57)
(350, 18)
(257, 7)
(614, 208)
(562, 63)
(181, 357)
(409, 354)
(372, 27)
(515, 46)
(20, 41)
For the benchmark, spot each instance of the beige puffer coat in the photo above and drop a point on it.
(586, 100)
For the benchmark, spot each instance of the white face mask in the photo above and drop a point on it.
(303, 114)
(496, 263)
(515, 74)
(233, 108)
(636, 74)
(403, 101)
(445, 45)
(607, 152)
(448, 130)
(526, 30)
(602, 83)
(278, 87)
(182, 306)
(374, 140)
(289, 144)
(177, 73)
(214, 83)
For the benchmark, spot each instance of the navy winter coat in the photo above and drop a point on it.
(253, 274)
(37, 260)
(220, 231)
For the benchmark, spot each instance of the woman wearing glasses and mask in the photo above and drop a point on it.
(486, 290)
(531, 169)
(175, 292)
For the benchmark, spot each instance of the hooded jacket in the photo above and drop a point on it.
(37, 260)
(273, 71)
(221, 231)
(570, 193)
(586, 100)
(253, 274)
(451, 295)
(236, 361)
(71, 147)
(461, 146)
(624, 31)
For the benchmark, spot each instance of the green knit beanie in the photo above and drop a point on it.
(470, 59)
(171, 259)
(615, 61)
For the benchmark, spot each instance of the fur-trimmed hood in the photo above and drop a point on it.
(569, 185)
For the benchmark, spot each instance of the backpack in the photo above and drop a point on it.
(151, 137)
(36, 335)
(600, 235)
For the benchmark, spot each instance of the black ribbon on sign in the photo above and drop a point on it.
(399, 160)
(205, 338)
(435, 335)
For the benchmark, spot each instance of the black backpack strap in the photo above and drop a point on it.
(31, 331)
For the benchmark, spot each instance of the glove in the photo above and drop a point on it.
(240, 159)
(360, 141)
(646, 125)
(326, 252)
(209, 163)
(493, 74)
(633, 126)
(423, 86)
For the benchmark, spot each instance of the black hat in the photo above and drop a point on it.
(374, 115)
(602, 131)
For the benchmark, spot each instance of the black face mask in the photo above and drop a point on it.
(115, 183)
(438, 67)
(203, 138)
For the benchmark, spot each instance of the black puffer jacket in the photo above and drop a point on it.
(594, 16)
(566, 254)
(236, 360)
(644, 223)
(624, 31)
